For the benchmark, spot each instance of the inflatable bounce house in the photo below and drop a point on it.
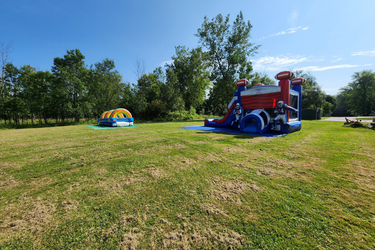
(264, 108)
(116, 118)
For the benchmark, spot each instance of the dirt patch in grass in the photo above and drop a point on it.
(29, 216)
(131, 180)
(206, 238)
(113, 184)
(211, 209)
(157, 173)
(7, 181)
(69, 205)
(362, 169)
(366, 182)
(9, 165)
(187, 161)
(154, 172)
(230, 190)
(180, 163)
(131, 240)
(211, 158)
(187, 233)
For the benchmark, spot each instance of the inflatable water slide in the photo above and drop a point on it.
(116, 118)
(258, 105)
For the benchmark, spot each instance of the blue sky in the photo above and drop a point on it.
(330, 39)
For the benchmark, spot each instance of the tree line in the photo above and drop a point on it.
(72, 90)
(199, 79)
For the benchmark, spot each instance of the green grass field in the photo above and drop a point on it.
(157, 186)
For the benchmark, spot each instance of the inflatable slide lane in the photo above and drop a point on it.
(229, 120)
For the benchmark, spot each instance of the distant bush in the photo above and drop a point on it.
(93, 121)
(179, 116)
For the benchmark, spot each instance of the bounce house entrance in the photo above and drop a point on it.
(256, 122)
(250, 126)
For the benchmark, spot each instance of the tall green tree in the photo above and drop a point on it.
(150, 89)
(343, 100)
(29, 93)
(24, 105)
(362, 92)
(332, 99)
(313, 97)
(228, 49)
(105, 87)
(71, 84)
(330, 104)
(191, 69)
(12, 100)
(38, 95)
(173, 95)
(261, 78)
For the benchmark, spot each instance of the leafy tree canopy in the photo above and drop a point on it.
(359, 95)
(190, 69)
(228, 49)
(312, 94)
(261, 78)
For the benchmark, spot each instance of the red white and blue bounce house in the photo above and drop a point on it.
(258, 105)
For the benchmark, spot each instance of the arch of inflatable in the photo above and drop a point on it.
(121, 113)
(255, 122)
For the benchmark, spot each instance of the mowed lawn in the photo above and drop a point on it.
(157, 186)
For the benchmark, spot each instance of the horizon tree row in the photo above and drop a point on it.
(199, 79)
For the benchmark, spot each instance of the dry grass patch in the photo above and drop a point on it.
(69, 205)
(28, 217)
(13, 165)
(230, 190)
(205, 238)
(211, 209)
(154, 172)
(187, 161)
(211, 158)
(131, 240)
(7, 181)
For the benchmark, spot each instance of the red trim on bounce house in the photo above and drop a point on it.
(263, 101)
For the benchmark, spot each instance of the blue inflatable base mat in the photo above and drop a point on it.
(229, 131)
